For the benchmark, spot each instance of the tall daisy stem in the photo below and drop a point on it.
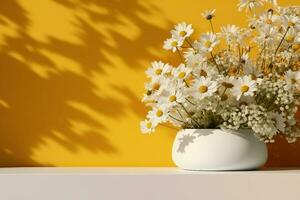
(218, 67)
(281, 41)
(211, 26)
(171, 127)
(176, 119)
(189, 43)
(190, 101)
(187, 112)
(181, 58)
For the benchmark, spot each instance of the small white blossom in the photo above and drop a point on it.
(293, 78)
(207, 42)
(209, 14)
(147, 126)
(156, 69)
(249, 4)
(204, 87)
(244, 86)
(173, 44)
(182, 30)
(181, 72)
(158, 114)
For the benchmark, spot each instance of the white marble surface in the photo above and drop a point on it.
(146, 184)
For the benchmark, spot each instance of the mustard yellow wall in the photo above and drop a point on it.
(72, 75)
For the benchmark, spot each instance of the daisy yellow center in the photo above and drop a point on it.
(207, 43)
(172, 98)
(268, 21)
(182, 33)
(203, 88)
(296, 46)
(174, 44)
(148, 125)
(289, 38)
(155, 86)
(232, 71)
(203, 73)
(244, 88)
(291, 24)
(189, 80)
(181, 74)
(158, 71)
(159, 113)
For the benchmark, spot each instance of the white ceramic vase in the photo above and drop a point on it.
(215, 149)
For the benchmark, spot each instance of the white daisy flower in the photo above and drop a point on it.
(249, 67)
(249, 4)
(229, 32)
(268, 19)
(209, 14)
(291, 21)
(205, 70)
(173, 44)
(203, 87)
(155, 85)
(293, 78)
(171, 97)
(147, 126)
(267, 35)
(181, 72)
(207, 42)
(244, 86)
(292, 36)
(167, 70)
(156, 69)
(193, 58)
(158, 114)
(279, 120)
(182, 30)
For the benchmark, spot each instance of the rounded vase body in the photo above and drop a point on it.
(216, 149)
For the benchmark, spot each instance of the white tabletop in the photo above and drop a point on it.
(146, 184)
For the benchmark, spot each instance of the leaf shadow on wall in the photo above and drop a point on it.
(51, 103)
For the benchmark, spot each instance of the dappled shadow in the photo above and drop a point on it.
(48, 102)
(39, 108)
(134, 103)
(130, 51)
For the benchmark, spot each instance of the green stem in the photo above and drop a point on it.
(281, 41)
(176, 118)
(211, 25)
(187, 112)
(164, 125)
(189, 43)
(215, 61)
(190, 101)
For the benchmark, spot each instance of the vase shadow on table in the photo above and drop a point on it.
(45, 102)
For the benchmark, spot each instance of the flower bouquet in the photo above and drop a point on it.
(236, 79)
